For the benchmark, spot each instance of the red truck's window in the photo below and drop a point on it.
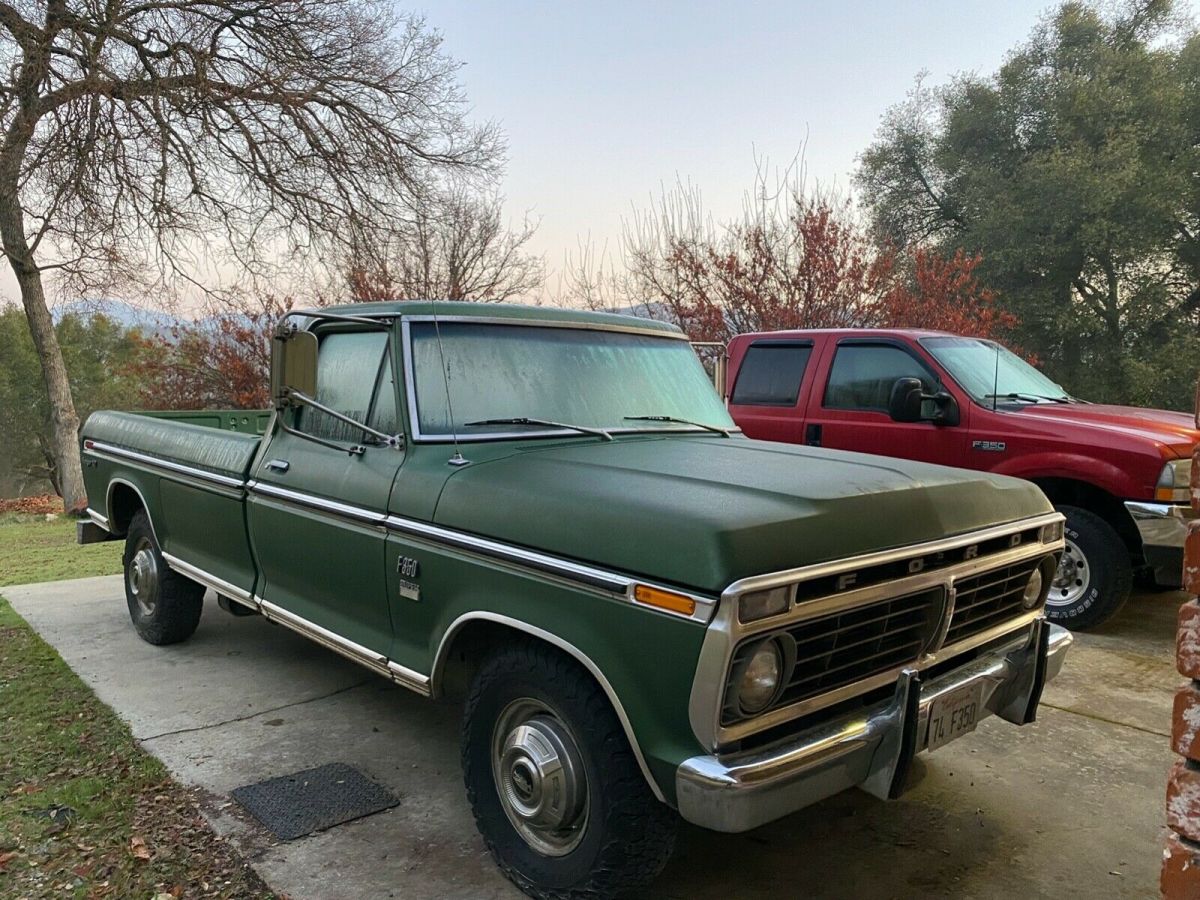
(770, 375)
(862, 376)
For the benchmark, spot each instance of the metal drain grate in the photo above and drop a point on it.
(292, 806)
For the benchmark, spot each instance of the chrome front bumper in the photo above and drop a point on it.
(1163, 529)
(871, 749)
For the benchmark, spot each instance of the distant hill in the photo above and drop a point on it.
(152, 321)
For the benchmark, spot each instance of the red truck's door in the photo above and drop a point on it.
(769, 392)
(848, 404)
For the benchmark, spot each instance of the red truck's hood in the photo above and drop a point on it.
(1176, 430)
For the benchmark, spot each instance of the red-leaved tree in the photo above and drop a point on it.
(944, 294)
(219, 361)
(793, 260)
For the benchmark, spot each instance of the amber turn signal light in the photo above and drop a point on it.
(668, 600)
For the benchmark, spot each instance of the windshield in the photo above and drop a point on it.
(984, 368)
(573, 376)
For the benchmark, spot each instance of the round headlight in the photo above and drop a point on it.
(1033, 590)
(759, 683)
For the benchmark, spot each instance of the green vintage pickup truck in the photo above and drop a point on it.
(551, 514)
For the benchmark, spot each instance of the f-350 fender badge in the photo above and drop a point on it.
(989, 446)
(408, 569)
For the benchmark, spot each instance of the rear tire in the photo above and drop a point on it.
(595, 830)
(164, 606)
(1095, 576)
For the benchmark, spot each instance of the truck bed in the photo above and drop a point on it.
(193, 474)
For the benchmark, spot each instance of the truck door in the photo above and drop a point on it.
(316, 511)
(849, 405)
(768, 395)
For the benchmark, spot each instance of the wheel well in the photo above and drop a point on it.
(469, 645)
(458, 662)
(123, 503)
(1097, 500)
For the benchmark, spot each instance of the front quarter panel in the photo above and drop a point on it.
(645, 659)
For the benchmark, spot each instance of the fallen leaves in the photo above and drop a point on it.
(137, 846)
(40, 505)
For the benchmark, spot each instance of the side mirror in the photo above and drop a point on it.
(904, 404)
(907, 402)
(293, 364)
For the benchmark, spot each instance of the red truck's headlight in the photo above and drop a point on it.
(1174, 482)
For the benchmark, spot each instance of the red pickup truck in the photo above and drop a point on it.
(1122, 476)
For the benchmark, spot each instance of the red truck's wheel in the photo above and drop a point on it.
(556, 791)
(1095, 575)
(164, 606)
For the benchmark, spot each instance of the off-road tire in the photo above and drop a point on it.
(628, 836)
(1110, 572)
(176, 601)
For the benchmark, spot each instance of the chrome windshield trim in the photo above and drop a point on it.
(219, 585)
(410, 389)
(614, 583)
(631, 328)
(102, 449)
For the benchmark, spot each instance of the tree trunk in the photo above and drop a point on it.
(64, 423)
(1115, 355)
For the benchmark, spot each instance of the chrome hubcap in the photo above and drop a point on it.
(1072, 577)
(142, 577)
(540, 777)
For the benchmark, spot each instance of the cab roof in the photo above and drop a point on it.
(847, 332)
(510, 312)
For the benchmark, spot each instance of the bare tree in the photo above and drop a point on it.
(454, 245)
(137, 133)
(794, 259)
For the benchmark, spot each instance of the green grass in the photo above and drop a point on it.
(32, 549)
(84, 812)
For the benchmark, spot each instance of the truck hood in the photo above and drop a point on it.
(701, 512)
(1173, 429)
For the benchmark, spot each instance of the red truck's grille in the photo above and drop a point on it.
(988, 599)
(838, 650)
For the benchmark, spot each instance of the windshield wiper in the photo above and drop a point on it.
(716, 428)
(544, 423)
(1028, 398)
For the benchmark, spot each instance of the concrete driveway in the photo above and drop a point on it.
(1071, 805)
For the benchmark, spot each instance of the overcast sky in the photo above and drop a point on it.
(604, 103)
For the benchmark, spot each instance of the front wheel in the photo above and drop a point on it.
(164, 606)
(556, 791)
(1094, 577)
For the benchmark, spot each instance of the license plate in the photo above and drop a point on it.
(955, 714)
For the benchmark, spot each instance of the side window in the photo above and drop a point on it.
(348, 364)
(770, 375)
(862, 376)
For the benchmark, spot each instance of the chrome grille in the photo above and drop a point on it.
(840, 649)
(988, 599)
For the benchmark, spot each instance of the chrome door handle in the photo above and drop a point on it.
(279, 465)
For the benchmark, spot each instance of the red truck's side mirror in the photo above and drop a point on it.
(907, 400)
